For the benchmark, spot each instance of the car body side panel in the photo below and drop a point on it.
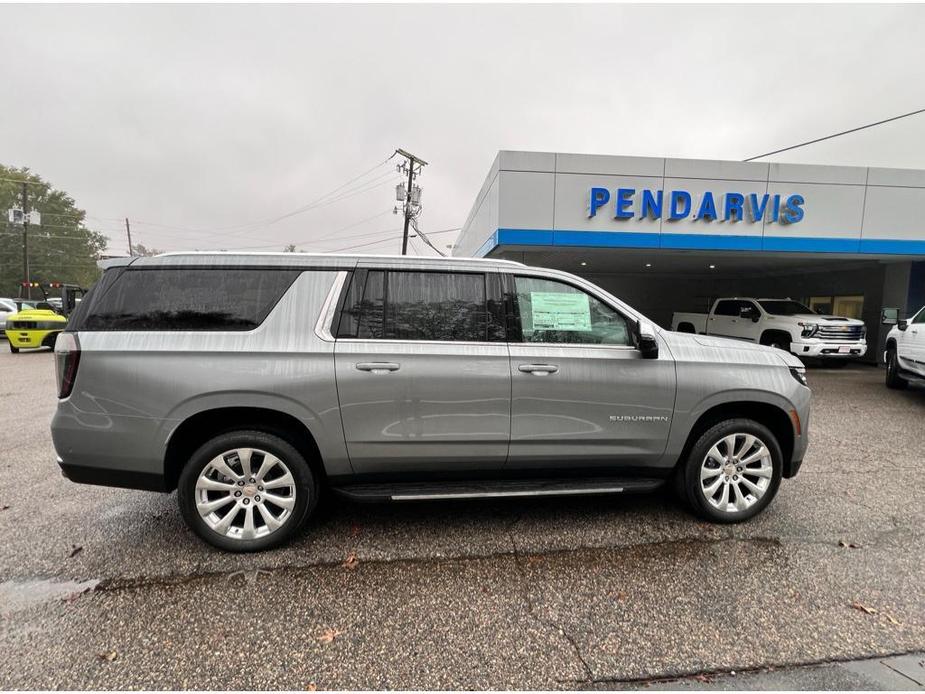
(134, 388)
(713, 371)
(605, 406)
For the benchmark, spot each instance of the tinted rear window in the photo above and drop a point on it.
(188, 299)
(408, 305)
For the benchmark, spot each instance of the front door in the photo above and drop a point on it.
(423, 372)
(582, 395)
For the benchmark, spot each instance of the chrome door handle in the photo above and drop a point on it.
(539, 369)
(378, 367)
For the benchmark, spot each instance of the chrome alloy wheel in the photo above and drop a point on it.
(245, 494)
(736, 472)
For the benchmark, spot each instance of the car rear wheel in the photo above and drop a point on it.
(733, 471)
(14, 350)
(246, 491)
(893, 379)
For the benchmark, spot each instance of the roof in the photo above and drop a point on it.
(274, 259)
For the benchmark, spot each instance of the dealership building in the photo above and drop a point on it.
(670, 235)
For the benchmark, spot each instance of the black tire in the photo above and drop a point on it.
(305, 486)
(14, 350)
(686, 328)
(49, 341)
(691, 470)
(776, 340)
(893, 380)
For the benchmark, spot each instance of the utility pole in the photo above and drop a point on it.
(412, 195)
(128, 231)
(25, 239)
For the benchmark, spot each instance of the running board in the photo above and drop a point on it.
(490, 489)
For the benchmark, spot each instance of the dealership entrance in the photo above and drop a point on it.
(843, 240)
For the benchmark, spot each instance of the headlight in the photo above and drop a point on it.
(799, 373)
(809, 329)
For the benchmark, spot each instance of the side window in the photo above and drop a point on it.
(557, 313)
(435, 306)
(430, 306)
(727, 308)
(188, 299)
(920, 318)
(362, 312)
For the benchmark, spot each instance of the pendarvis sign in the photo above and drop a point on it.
(629, 203)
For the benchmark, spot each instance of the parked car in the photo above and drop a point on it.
(253, 383)
(782, 323)
(33, 328)
(905, 352)
(7, 307)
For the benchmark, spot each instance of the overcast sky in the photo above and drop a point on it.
(212, 121)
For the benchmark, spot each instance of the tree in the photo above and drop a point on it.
(61, 249)
(141, 249)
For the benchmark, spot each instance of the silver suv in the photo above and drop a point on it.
(253, 383)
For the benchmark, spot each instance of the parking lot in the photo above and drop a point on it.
(105, 588)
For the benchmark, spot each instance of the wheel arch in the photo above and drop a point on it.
(198, 428)
(686, 327)
(770, 415)
(769, 333)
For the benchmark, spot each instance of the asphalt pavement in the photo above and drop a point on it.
(105, 588)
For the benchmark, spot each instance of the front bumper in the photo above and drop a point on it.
(29, 339)
(826, 350)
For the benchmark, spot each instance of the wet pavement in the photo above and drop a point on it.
(106, 588)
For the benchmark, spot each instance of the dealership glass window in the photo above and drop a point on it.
(431, 306)
(557, 313)
(189, 299)
(847, 306)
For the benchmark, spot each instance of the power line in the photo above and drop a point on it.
(829, 137)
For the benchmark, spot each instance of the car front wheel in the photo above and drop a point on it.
(246, 491)
(733, 471)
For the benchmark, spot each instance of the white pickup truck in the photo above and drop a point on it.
(781, 323)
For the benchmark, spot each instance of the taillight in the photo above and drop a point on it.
(67, 358)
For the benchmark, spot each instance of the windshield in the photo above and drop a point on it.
(784, 308)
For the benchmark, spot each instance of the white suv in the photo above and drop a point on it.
(905, 352)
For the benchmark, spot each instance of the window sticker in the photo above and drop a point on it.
(561, 311)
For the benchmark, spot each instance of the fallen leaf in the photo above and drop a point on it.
(108, 656)
(703, 678)
(328, 635)
(849, 545)
(621, 596)
(863, 608)
(75, 550)
(4, 507)
(312, 687)
(351, 562)
(892, 620)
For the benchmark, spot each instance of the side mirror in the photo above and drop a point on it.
(889, 316)
(646, 341)
(903, 324)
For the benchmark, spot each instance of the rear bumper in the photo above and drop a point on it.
(107, 477)
(828, 350)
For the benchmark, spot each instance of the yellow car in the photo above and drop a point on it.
(33, 327)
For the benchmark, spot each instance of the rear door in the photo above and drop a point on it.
(583, 396)
(726, 320)
(423, 372)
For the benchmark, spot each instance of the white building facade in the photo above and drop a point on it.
(673, 234)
